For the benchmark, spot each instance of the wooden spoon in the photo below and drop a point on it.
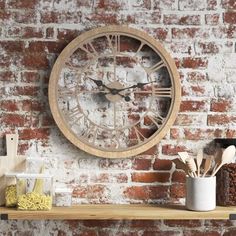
(192, 166)
(183, 156)
(227, 157)
(207, 165)
(199, 161)
(217, 157)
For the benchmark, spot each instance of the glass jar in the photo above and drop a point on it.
(34, 192)
(10, 190)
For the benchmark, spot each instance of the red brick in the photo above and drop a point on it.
(30, 77)
(218, 223)
(7, 76)
(229, 4)
(145, 224)
(175, 19)
(220, 105)
(141, 164)
(12, 119)
(35, 61)
(27, 134)
(150, 177)
(221, 119)
(4, 16)
(177, 190)
(47, 120)
(207, 47)
(230, 133)
(187, 33)
(114, 5)
(30, 105)
(178, 177)
(230, 17)
(67, 35)
(25, 17)
(226, 31)
(205, 232)
(51, 47)
(69, 17)
(194, 63)
(99, 223)
(25, 90)
(146, 192)
(150, 232)
(212, 19)
(183, 223)
(9, 105)
(160, 33)
(196, 76)
(161, 164)
(22, 4)
(2, 4)
(171, 150)
(202, 133)
(193, 106)
(12, 46)
(22, 148)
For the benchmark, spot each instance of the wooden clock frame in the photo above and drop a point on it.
(143, 38)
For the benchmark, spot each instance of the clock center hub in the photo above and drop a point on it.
(115, 94)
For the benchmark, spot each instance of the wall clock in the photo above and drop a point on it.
(114, 91)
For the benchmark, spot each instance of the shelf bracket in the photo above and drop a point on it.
(3, 216)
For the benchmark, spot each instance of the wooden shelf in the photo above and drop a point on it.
(118, 212)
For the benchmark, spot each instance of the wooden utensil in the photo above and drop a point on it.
(207, 165)
(217, 157)
(192, 166)
(181, 165)
(227, 157)
(183, 156)
(199, 161)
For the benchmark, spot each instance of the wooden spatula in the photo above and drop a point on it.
(227, 157)
(199, 161)
(192, 166)
(207, 165)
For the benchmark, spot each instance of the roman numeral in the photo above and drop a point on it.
(91, 130)
(155, 67)
(163, 92)
(66, 92)
(74, 112)
(89, 49)
(114, 43)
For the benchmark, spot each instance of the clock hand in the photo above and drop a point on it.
(138, 85)
(99, 83)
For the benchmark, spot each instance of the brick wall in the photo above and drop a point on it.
(199, 34)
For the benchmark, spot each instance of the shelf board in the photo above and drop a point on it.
(118, 212)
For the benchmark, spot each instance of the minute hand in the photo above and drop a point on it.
(138, 85)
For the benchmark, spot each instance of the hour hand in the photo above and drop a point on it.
(99, 83)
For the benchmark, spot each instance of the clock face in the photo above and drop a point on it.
(114, 92)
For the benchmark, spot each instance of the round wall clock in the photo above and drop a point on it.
(114, 92)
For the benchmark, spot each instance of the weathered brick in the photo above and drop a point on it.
(22, 4)
(178, 177)
(201, 233)
(202, 133)
(230, 17)
(175, 19)
(221, 105)
(212, 19)
(192, 106)
(183, 223)
(229, 4)
(141, 164)
(150, 177)
(35, 61)
(194, 63)
(27, 134)
(177, 190)
(221, 119)
(161, 164)
(171, 150)
(146, 192)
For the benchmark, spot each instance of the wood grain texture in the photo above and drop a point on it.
(118, 212)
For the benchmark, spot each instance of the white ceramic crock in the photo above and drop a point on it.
(201, 193)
